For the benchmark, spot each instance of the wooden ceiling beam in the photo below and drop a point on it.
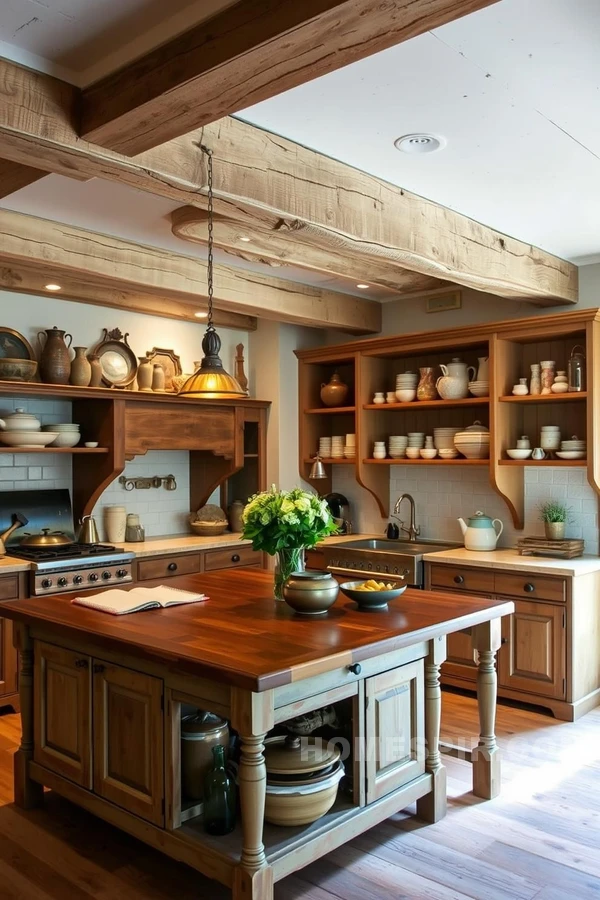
(14, 176)
(249, 52)
(277, 184)
(124, 266)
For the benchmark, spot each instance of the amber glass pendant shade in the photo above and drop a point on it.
(211, 381)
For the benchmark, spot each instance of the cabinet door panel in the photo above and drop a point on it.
(62, 712)
(533, 656)
(128, 740)
(394, 729)
(460, 661)
(8, 659)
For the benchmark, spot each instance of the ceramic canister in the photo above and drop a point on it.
(115, 523)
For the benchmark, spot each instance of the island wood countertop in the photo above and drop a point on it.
(241, 636)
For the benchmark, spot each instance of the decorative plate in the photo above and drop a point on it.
(119, 365)
(14, 346)
(170, 362)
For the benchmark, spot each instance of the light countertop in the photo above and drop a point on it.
(9, 564)
(511, 560)
(181, 543)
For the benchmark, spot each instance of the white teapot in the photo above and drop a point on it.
(480, 533)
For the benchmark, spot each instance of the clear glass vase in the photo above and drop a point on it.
(286, 562)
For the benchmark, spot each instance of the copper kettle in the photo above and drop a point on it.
(18, 520)
(88, 533)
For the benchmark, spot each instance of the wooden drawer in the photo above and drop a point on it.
(315, 559)
(230, 557)
(9, 587)
(167, 566)
(531, 587)
(479, 581)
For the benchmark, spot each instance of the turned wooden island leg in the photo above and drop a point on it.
(486, 640)
(28, 793)
(432, 807)
(252, 716)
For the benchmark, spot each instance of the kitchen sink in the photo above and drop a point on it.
(398, 560)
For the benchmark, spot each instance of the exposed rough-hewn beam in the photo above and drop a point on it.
(14, 176)
(273, 183)
(245, 54)
(31, 280)
(125, 266)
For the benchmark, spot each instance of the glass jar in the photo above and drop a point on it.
(577, 369)
(219, 796)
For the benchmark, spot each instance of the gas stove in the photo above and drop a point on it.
(75, 566)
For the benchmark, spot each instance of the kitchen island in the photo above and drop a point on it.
(101, 700)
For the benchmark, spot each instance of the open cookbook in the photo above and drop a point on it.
(118, 602)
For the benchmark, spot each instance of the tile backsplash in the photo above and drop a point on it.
(161, 511)
(442, 493)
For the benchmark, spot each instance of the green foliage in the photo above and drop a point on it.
(278, 520)
(553, 511)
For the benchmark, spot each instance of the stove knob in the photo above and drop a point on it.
(62, 581)
(46, 582)
(93, 576)
(78, 579)
(370, 566)
(121, 573)
(395, 570)
(106, 576)
(378, 568)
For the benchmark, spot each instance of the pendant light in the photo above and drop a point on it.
(211, 381)
(317, 470)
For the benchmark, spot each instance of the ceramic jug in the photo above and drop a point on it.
(96, 370)
(454, 383)
(483, 368)
(55, 361)
(334, 393)
(480, 533)
(81, 369)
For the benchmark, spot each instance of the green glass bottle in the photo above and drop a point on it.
(219, 796)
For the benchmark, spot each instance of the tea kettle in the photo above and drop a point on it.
(480, 533)
(88, 533)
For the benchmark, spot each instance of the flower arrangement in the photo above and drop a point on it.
(282, 520)
(284, 524)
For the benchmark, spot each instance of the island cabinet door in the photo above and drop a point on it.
(8, 659)
(394, 722)
(128, 740)
(533, 656)
(62, 712)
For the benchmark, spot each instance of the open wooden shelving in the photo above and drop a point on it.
(330, 410)
(54, 450)
(512, 346)
(332, 462)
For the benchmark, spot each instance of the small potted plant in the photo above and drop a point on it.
(555, 516)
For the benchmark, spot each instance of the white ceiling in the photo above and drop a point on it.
(515, 89)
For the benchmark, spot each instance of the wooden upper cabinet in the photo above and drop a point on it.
(533, 656)
(394, 721)
(128, 740)
(179, 426)
(62, 712)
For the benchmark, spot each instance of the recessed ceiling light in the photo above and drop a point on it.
(363, 287)
(53, 287)
(200, 315)
(245, 239)
(420, 143)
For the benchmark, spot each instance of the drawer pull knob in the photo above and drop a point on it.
(504, 640)
(172, 567)
(98, 668)
(355, 668)
(235, 557)
(81, 663)
(459, 579)
(529, 588)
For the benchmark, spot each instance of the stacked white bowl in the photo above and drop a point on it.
(325, 447)
(68, 434)
(337, 446)
(379, 451)
(443, 437)
(398, 444)
(572, 449)
(479, 388)
(350, 446)
(550, 438)
(416, 441)
(406, 386)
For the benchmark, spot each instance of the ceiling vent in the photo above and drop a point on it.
(420, 143)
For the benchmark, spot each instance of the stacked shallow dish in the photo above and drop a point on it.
(350, 446)
(572, 449)
(338, 443)
(325, 447)
(68, 434)
(397, 446)
(473, 442)
(406, 386)
(479, 388)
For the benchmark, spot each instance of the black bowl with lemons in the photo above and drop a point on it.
(372, 594)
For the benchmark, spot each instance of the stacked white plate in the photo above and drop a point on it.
(572, 449)
(479, 388)
(325, 447)
(68, 434)
(397, 446)
(407, 381)
(350, 446)
(416, 439)
(443, 438)
(337, 446)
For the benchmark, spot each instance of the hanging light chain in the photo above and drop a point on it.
(210, 262)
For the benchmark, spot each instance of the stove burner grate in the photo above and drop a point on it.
(64, 551)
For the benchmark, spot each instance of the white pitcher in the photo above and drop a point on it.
(483, 368)
(454, 385)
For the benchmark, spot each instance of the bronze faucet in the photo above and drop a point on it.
(413, 531)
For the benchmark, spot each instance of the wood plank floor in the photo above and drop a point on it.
(540, 839)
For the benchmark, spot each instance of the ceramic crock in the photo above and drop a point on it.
(200, 732)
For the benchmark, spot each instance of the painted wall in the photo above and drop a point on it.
(161, 512)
